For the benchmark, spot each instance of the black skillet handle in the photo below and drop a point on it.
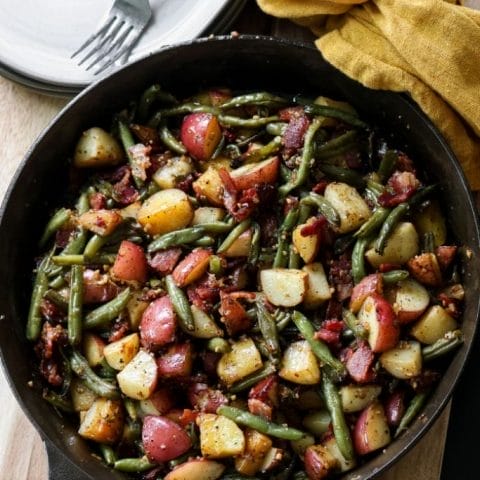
(60, 468)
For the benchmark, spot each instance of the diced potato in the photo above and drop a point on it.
(299, 364)
(256, 447)
(404, 361)
(357, 397)
(135, 308)
(102, 222)
(207, 215)
(82, 396)
(433, 325)
(197, 469)
(425, 269)
(400, 247)
(93, 347)
(431, 220)
(139, 378)
(175, 169)
(165, 211)
(307, 245)
(103, 421)
(219, 436)
(284, 287)
(344, 464)
(118, 354)
(97, 148)
(351, 207)
(130, 211)
(252, 174)
(272, 459)
(210, 186)
(205, 326)
(242, 360)
(318, 289)
(240, 246)
(192, 267)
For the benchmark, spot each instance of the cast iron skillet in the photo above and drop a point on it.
(246, 62)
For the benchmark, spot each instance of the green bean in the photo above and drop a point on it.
(149, 97)
(294, 259)
(318, 422)
(387, 165)
(283, 319)
(300, 176)
(319, 348)
(289, 223)
(346, 175)
(254, 253)
(263, 152)
(373, 223)
(127, 140)
(233, 235)
(175, 238)
(375, 187)
(428, 242)
(442, 346)
(58, 401)
(332, 112)
(58, 282)
(108, 454)
(259, 423)
(133, 465)
(300, 476)
(56, 298)
(95, 243)
(343, 243)
(394, 276)
(268, 328)
(68, 260)
(185, 108)
(358, 259)
(324, 207)
(260, 98)
(276, 129)
(76, 244)
(103, 315)
(40, 286)
(180, 304)
(101, 387)
(205, 241)
(54, 224)
(75, 304)
(218, 345)
(353, 324)
(169, 140)
(336, 146)
(413, 409)
(253, 378)
(254, 122)
(216, 227)
(389, 225)
(340, 428)
(131, 408)
(420, 196)
(83, 202)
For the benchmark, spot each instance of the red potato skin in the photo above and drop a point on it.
(373, 413)
(182, 417)
(360, 364)
(164, 262)
(163, 439)
(268, 173)
(315, 465)
(176, 362)
(97, 287)
(130, 263)
(162, 400)
(389, 329)
(158, 324)
(395, 407)
(367, 286)
(192, 267)
(234, 315)
(205, 399)
(200, 133)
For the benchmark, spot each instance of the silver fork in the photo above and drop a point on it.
(117, 35)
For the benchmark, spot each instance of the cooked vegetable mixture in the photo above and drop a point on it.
(245, 286)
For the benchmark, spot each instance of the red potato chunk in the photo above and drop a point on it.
(164, 262)
(360, 364)
(205, 399)
(130, 263)
(176, 362)
(158, 324)
(192, 267)
(370, 284)
(371, 431)
(250, 175)
(97, 287)
(319, 462)
(425, 269)
(163, 439)
(200, 133)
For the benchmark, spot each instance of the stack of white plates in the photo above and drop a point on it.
(37, 38)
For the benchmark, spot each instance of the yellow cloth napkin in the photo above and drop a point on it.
(428, 48)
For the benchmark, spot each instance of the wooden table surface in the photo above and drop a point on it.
(23, 115)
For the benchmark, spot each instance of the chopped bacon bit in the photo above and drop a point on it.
(232, 312)
(360, 363)
(50, 311)
(340, 276)
(146, 135)
(97, 287)
(63, 236)
(401, 186)
(205, 293)
(334, 310)
(295, 133)
(445, 255)
(140, 160)
(97, 201)
(451, 305)
(320, 187)
(204, 398)
(405, 163)
(388, 267)
(262, 409)
(332, 338)
(314, 228)
(263, 397)
(118, 331)
(124, 192)
(186, 183)
(164, 262)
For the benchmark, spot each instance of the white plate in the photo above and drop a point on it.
(37, 38)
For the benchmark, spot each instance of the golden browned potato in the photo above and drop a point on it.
(103, 421)
(97, 148)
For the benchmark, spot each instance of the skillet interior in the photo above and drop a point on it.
(246, 62)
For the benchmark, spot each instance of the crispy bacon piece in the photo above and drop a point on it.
(340, 276)
(164, 262)
(445, 255)
(330, 332)
(140, 159)
(123, 190)
(97, 287)
(204, 398)
(118, 331)
(314, 228)
(146, 135)
(97, 201)
(294, 134)
(263, 397)
(205, 293)
(52, 338)
(232, 312)
(320, 187)
(359, 363)
(50, 311)
(405, 163)
(402, 185)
